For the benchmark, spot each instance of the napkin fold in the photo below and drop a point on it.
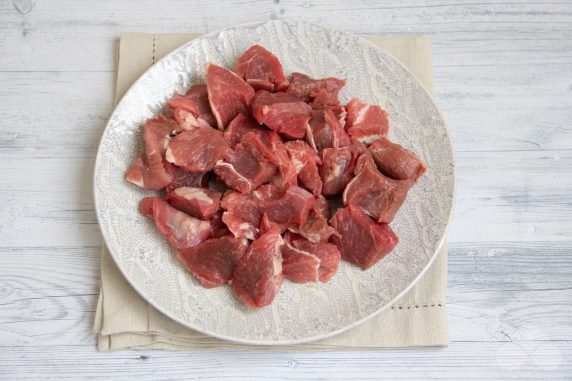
(124, 320)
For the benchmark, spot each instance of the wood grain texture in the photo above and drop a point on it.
(502, 79)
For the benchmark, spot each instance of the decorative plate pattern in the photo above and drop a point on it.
(300, 313)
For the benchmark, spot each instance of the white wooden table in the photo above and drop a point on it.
(503, 78)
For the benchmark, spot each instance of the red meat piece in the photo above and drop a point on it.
(366, 122)
(147, 171)
(243, 171)
(240, 126)
(181, 230)
(213, 261)
(316, 228)
(326, 132)
(395, 161)
(228, 94)
(241, 215)
(281, 112)
(322, 91)
(184, 178)
(362, 241)
(193, 110)
(258, 273)
(285, 171)
(197, 150)
(261, 69)
(290, 209)
(201, 203)
(337, 169)
(305, 161)
(328, 254)
(218, 226)
(377, 195)
(299, 266)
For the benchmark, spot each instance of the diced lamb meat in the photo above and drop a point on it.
(229, 95)
(240, 126)
(328, 254)
(193, 110)
(184, 178)
(263, 146)
(243, 171)
(213, 261)
(396, 162)
(241, 215)
(305, 161)
(258, 273)
(201, 203)
(181, 230)
(316, 228)
(286, 172)
(299, 266)
(337, 169)
(290, 209)
(377, 195)
(282, 113)
(148, 171)
(218, 226)
(261, 69)
(197, 150)
(362, 241)
(326, 132)
(366, 122)
(322, 91)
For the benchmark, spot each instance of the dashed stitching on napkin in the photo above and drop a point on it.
(417, 306)
(154, 46)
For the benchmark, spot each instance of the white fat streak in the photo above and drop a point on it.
(248, 230)
(308, 254)
(190, 121)
(361, 114)
(139, 182)
(191, 193)
(277, 256)
(298, 165)
(169, 155)
(221, 163)
(369, 138)
(345, 194)
(310, 137)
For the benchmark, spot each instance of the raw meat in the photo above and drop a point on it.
(193, 110)
(240, 126)
(261, 69)
(243, 171)
(213, 261)
(148, 171)
(184, 178)
(362, 241)
(258, 273)
(326, 132)
(365, 122)
(228, 94)
(290, 209)
(322, 91)
(281, 112)
(377, 195)
(218, 226)
(328, 254)
(241, 215)
(305, 161)
(299, 266)
(395, 161)
(197, 150)
(316, 228)
(286, 172)
(201, 203)
(337, 169)
(181, 230)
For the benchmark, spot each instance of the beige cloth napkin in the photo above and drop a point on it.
(124, 320)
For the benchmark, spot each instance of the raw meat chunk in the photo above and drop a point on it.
(197, 150)
(337, 169)
(241, 215)
(148, 171)
(362, 241)
(365, 122)
(299, 266)
(290, 209)
(193, 110)
(282, 113)
(395, 161)
(316, 228)
(201, 203)
(326, 132)
(181, 230)
(228, 94)
(218, 226)
(213, 261)
(286, 172)
(322, 91)
(261, 69)
(184, 178)
(243, 171)
(377, 195)
(305, 161)
(328, 254)
(240, 126)
(258, 273)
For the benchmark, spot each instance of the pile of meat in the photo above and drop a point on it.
(267, 177)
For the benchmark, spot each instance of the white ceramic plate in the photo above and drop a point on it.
(300, 313)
